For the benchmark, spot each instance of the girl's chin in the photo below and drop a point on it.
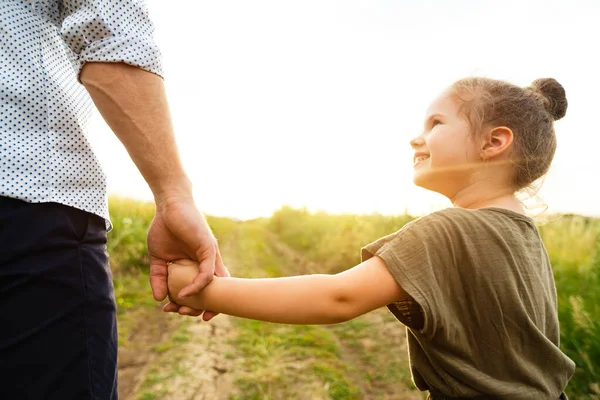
(422, 180)
(426, 181)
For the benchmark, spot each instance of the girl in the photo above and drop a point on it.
(473, 284)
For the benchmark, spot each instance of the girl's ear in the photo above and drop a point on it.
(496, 142)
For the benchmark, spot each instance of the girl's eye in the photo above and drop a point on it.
(435, 122)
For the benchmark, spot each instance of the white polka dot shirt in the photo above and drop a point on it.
(44, 153)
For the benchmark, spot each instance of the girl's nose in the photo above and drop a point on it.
(417, 142)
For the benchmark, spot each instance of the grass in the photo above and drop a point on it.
(331, 241)
(128, 258)
(346, 361)
(156, 381)
(375, 343)
(281, 360)
(574, 247)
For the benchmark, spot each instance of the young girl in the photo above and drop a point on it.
(473, 284)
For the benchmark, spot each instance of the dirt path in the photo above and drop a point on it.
(196, 365)
(178, 358)
(134, 359)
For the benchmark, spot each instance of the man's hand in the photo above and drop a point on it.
(179, 230)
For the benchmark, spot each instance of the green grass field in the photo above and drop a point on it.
(364, 358)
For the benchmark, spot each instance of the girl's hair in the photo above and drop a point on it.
(529, 112)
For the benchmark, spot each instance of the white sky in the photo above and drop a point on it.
(313, 102)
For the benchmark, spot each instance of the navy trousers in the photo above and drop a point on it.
(58, 332)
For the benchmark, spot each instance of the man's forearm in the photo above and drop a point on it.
(133, 103)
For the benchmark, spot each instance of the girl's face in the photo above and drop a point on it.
(446, 153)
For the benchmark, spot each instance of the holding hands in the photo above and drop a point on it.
(179, 231)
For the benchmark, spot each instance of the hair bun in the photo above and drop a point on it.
(555, 98)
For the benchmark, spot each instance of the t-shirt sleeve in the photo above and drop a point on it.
(422, 259)
(110, 31)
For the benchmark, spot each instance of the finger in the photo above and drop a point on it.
(208, 315)
(158, 278)
(171, 307)
(183, 310)
(206, 271)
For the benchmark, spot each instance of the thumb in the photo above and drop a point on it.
(220, 268)
(158, 278)
(206, 270)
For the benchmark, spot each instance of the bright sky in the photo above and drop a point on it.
(312, 103)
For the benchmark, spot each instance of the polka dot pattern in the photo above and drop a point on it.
(45, 155)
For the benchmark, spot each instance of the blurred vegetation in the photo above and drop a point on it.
(573, 244)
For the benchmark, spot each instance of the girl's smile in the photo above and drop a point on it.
(420, 157)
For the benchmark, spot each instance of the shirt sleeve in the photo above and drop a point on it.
(110, 31)
(421, 258)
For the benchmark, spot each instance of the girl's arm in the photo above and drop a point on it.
(306, 299)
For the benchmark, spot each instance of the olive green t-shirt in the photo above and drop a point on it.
(485, 286)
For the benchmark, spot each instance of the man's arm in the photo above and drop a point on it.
(134, 105)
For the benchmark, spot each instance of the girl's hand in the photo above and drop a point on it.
(180, 274)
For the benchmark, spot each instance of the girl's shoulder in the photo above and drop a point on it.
(462, 216)
(453, 229)
(454, 226)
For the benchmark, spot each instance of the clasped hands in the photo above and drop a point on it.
(181, 273)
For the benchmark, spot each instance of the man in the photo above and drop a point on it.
(53, 203)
